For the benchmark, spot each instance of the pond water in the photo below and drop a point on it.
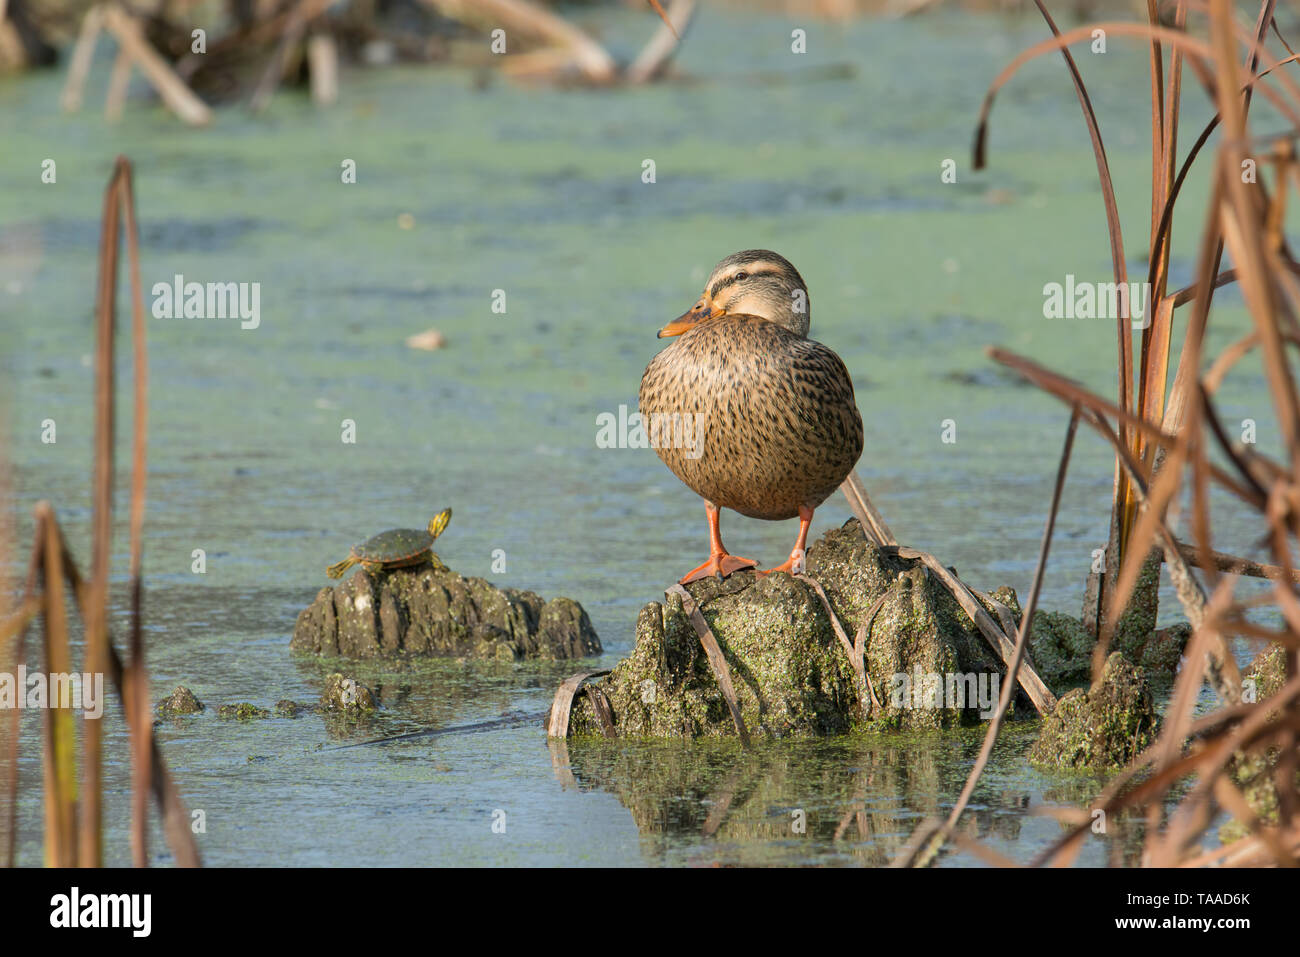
(832, 157)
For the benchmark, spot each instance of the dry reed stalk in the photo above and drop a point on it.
(1001, 642)
(13, 630)
(52, 566)
(855, 649)
(667, 18)
(1154, 357)
(60, 762)
(138, 698)
(557, 719)
(1231, 563)
(1170, 432)
(96, 607)
(175, 817)
(1226, 677)
(999, 635)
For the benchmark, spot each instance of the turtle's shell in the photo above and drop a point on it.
(393, 545)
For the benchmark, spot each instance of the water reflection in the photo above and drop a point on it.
(848, 801)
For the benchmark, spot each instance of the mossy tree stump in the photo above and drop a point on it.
(791, 674)
(434, 611)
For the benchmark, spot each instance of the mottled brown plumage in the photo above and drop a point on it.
(779, 429)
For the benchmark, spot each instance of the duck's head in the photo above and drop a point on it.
(755, 282)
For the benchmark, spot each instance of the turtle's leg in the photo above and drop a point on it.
(436, 562)
(336, 571)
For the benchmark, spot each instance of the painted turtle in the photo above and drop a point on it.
(396, 548)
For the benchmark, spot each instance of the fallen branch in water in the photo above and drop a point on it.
(323, 68)
(999, 638)
(872, 522)
(1034, 686)
(83, 53)
(721, 672)
(492, 724)
(653, 59)
(1235, 565)
(557, 719)
(290, 38)
(855, 649)
(178, 97)
(591, 59)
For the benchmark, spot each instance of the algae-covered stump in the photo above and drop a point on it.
(1101, 728)
(434, 611)
(1062, 649)
(180, 702)
(791, 675)
(1255, 772)
(342, 693)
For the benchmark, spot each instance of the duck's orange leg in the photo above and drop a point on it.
(721, 562)
(794, 563)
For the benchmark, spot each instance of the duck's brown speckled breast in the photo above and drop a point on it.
(778, 424)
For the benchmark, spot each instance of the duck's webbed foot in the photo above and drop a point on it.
(792, 565)
(795, 563)
(720, 565)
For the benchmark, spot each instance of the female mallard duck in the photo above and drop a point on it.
(768, 416)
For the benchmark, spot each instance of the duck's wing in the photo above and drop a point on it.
(822, 398)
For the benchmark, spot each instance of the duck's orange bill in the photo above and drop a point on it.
(677, 326)
(686, 321)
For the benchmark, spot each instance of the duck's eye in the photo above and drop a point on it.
(740, 276)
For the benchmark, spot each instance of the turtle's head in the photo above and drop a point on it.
(755, 282)
(439, 522)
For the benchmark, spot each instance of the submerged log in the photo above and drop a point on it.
(927, 662)
(436, 612)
